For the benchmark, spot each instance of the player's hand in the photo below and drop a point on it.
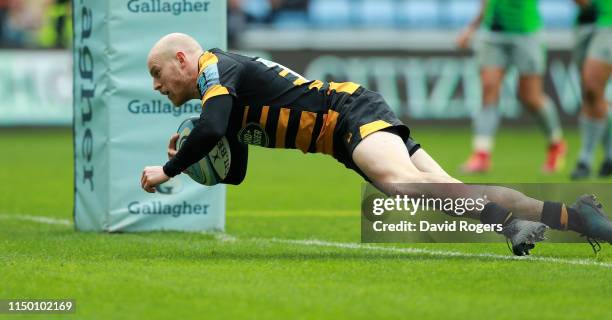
(583, 3)
(172, 146)
(152, 177)
(465, 38)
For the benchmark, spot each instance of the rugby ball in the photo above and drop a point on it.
(214, 167)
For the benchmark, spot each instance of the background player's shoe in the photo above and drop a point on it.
(594, 222)
(606, 169)
(581, 171)
(523, 235)
(479, 162)
(555, 157)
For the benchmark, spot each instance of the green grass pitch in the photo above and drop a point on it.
(291, 249)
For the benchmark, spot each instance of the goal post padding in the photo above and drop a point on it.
(121, 124)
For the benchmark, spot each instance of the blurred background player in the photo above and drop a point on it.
(593, 53)
(35, 24)
(510, 37)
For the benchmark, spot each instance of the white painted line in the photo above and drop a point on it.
(439, 253)
(224, 237)
(353, 246)
(40, 219)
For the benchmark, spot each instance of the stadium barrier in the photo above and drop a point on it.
(434, 84)
(122, 125)
(419, 84)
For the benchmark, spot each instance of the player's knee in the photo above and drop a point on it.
(490, 93)
(530, 100)
(490, 99)
(591, 92)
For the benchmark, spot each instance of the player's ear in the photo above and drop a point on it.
(182, 59)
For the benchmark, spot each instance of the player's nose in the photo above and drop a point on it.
(156, 85)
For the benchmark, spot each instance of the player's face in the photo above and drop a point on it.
(169, 80)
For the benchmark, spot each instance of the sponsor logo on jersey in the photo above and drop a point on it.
(254, 134)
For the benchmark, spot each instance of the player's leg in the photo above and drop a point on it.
(522, 233)
(485, 121)
(605, 170)
(507, 197)
(583, 36)
(532, 97)
(529, 57)
(394, 173)
(425, 163)
(422, 160)
(602, 58)
(593, 119)
(492, 59)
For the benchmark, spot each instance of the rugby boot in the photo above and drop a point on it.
(606, 169)
(479, 162)
(581, 171)
(523, 235)
(555, 157)
(593, 222)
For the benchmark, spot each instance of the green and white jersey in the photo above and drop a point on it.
(604, 12)
(513, 16)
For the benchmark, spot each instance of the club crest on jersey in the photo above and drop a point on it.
(253, 134)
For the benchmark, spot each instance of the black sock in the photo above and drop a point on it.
(551, 215)
(495, 214)
(558, 216)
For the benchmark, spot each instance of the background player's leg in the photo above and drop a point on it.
(485, 121)
(606, 167)
(395, 173)
(532, 96)
(593, 119)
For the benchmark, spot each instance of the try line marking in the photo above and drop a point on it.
(352, 246)
(39, 219)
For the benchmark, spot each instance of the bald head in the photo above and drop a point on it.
(170, 44)
(173, 64)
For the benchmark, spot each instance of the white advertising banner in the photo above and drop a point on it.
(36, 87)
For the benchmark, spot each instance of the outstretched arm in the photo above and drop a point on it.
(211, 127)
(208, 131)
(465, 38)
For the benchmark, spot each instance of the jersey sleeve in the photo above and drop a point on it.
(211, 127)
(218, 75)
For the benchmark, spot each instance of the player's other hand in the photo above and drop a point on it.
(152, 177)
(172, 146)
(465, 38)
(583, 3)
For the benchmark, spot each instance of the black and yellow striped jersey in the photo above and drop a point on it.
(278, 108)
(255, 101)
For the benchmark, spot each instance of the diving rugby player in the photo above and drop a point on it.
(256, 101)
